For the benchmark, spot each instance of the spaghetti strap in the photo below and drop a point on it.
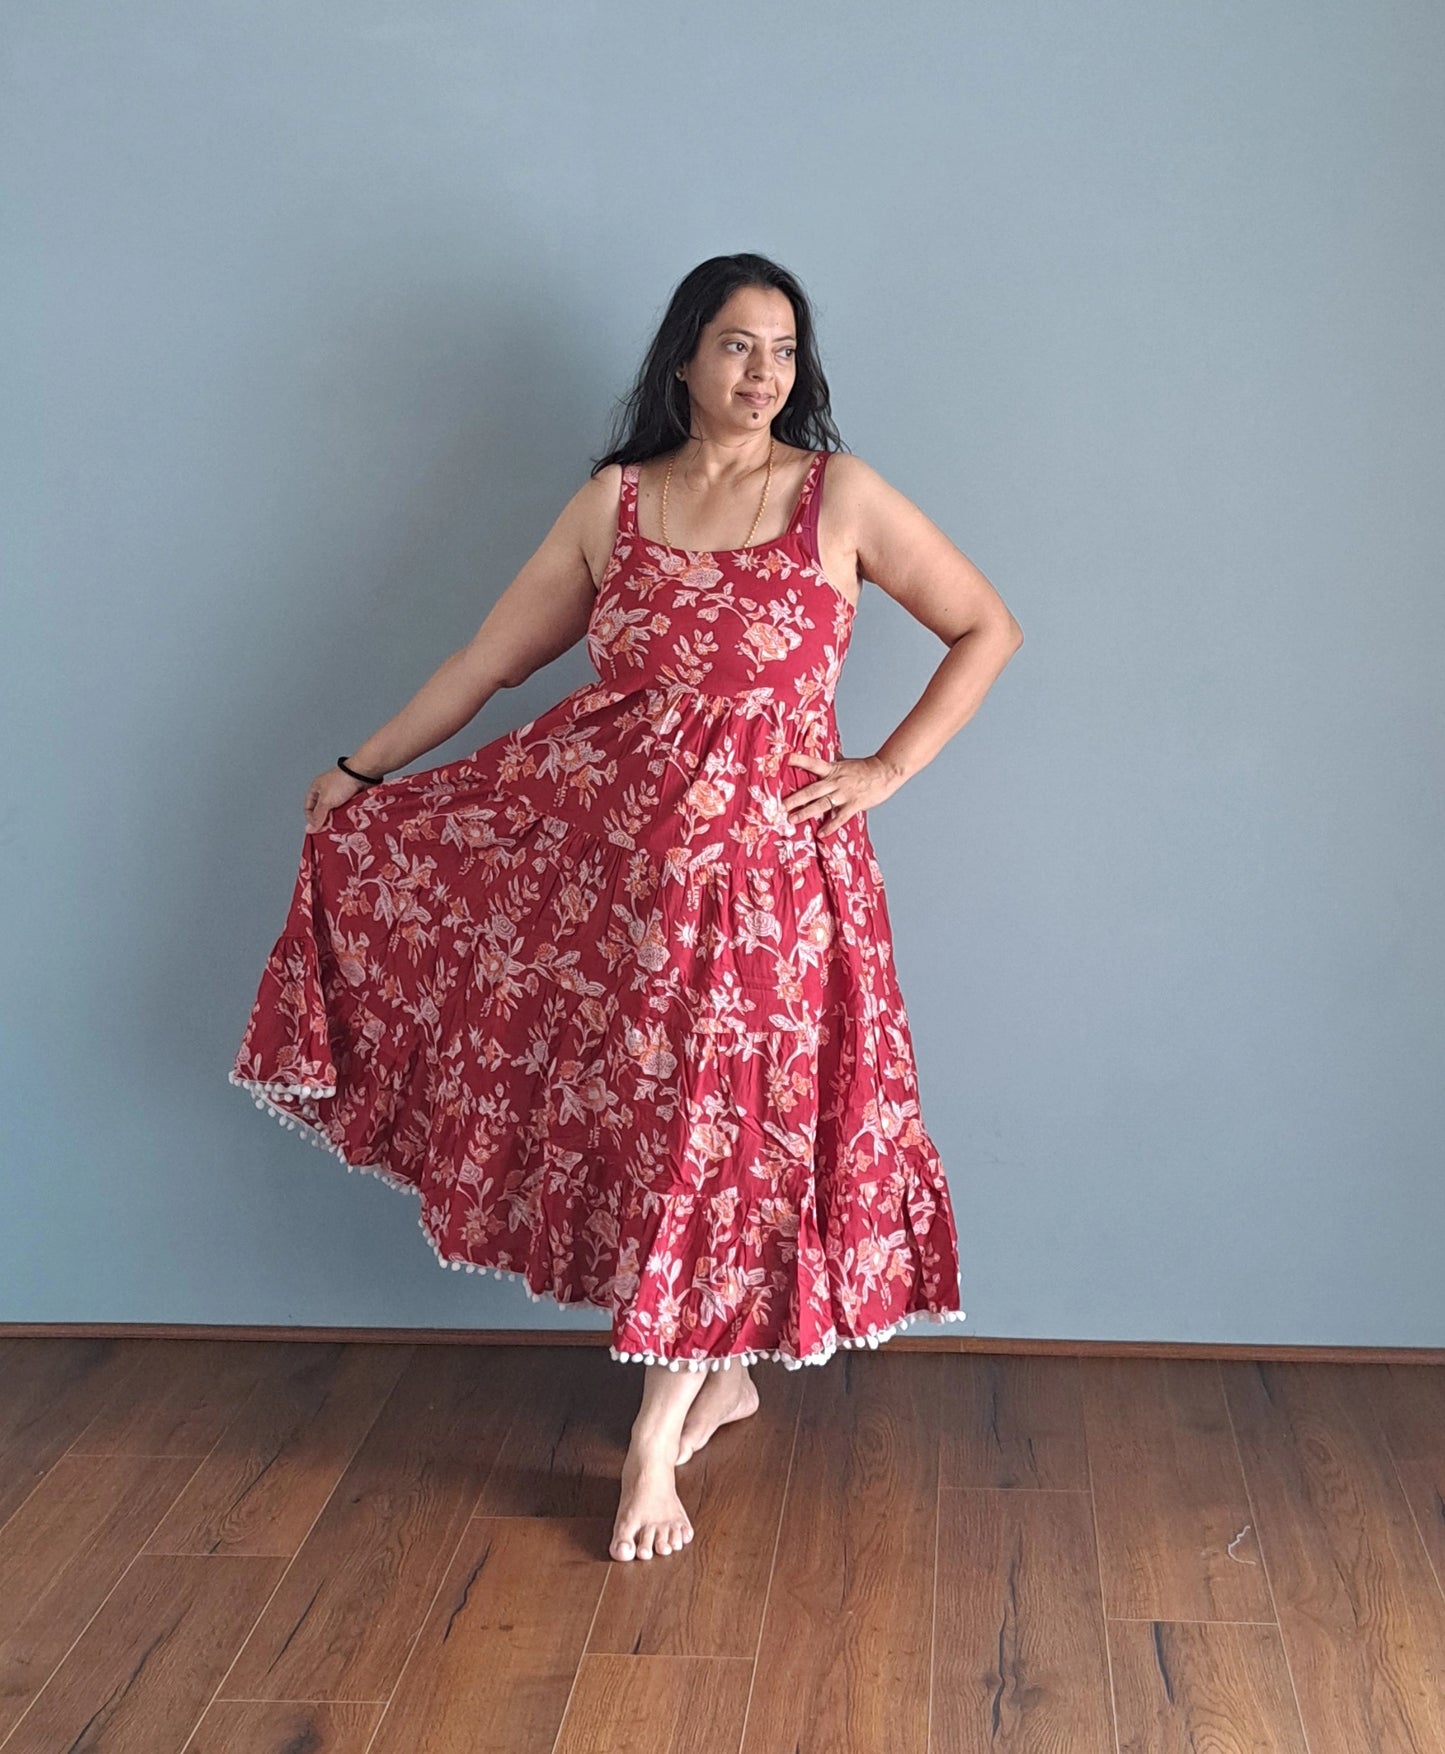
(806, 517)
(627, 501)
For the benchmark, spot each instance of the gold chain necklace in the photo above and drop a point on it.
(767, 483)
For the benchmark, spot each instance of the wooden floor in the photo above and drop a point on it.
(278, 1548)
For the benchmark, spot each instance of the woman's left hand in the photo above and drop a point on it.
(842, 789)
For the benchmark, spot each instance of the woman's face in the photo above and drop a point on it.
(745, 363)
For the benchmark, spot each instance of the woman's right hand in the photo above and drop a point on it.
(330, 788)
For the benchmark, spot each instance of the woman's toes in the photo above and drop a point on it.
(623, 1549)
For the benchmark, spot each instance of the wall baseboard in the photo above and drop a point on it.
(903, 1342)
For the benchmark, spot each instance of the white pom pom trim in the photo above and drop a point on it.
(260, 1094)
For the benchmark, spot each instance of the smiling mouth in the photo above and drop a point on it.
(758, 399)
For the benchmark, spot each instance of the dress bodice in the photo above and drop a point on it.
(762, 622)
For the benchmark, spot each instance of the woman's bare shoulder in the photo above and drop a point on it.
(852, 486)
(594, 507)
(861, 495)
(850, 473)
(604, 487)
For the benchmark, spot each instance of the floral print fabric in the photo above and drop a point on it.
(628, 1031)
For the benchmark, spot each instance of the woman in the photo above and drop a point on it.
(614, 996)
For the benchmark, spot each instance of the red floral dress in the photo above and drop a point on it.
(628, 1031)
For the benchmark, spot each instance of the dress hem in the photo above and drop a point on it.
(260, 1092)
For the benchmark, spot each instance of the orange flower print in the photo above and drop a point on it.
(496, 966)
(350, 954)
(649, 1050)
(725, 1207)
(607, 624)
(709, 1143)
(875, 1252)
(766, 643)
(573, 904)
(709, 797)
(726, 1290)
(652, 951)
(815, 927)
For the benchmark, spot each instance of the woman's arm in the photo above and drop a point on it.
(910, 558)
(540, 615)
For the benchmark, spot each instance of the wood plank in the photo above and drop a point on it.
(285, 1726)
(707, 1601)
(496, 1659)
(179, 1396)
(274, 1466)
(1408, 1401)
(1180, 1688)
(1015, 1422)
(147, 1665)
(563, 1453)
(1362, 1619)
(1019, 1654)
(50, 1391)
(356, 1594)
(845, 1652)
(1175, 1529)
(657, 1705)
(62, 1553)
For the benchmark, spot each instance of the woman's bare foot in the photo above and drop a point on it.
(650, 1515)
(728, 1394)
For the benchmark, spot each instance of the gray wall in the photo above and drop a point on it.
(313, 320)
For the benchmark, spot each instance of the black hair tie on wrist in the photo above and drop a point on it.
(365, 778)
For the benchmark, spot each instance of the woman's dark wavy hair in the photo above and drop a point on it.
(656, 414)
